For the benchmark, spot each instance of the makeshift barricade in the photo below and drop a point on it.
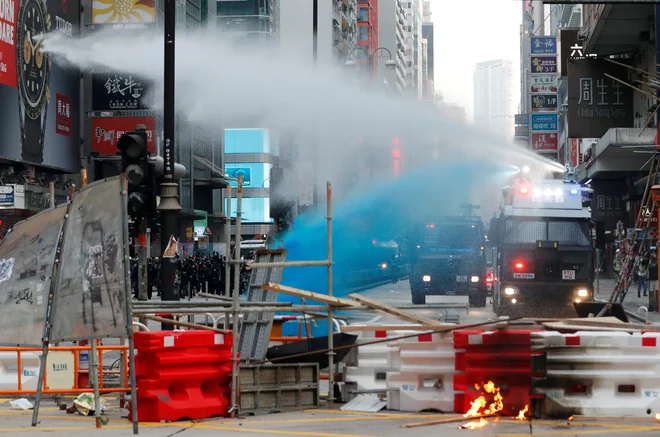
(501, 356)
(370, 372)
(599, 373)
(182, 375)
(9, 371)
(421, 376)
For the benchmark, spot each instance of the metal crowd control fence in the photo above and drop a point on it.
(124, 386)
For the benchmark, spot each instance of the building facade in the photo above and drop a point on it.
(493, 98)
(367, 42)
(249, 21)
(392, 36)
(428, 77)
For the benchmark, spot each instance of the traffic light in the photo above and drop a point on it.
(135, 164)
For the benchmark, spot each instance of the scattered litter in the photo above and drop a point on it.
(85, 404)
(21, 404)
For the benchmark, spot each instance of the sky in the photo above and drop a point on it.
(468, 32)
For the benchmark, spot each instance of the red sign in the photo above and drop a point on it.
(107, 130)
(545, 141)
(8, 15)
(63, 114)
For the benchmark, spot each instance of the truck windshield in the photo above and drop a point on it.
(529, 231)
(452, 236)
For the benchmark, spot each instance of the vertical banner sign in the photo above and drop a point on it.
(544, 84)
(545, 122)
(544, 102)
(544, 64)
(545, 142)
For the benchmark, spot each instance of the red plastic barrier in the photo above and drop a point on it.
(502, 356)
(182, 375)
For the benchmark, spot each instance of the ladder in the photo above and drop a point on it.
(634, 242)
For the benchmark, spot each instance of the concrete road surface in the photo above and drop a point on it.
(315, 423)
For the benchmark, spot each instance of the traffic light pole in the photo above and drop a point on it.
(169, 206)
(143, 292)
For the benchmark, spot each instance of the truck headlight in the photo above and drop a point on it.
(509, 291)
(583, 292)
(426, 278)
(474, 279)
(383, 266)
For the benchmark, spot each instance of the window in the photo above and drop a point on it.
(362, 53)
(363, 14)
(363, 34)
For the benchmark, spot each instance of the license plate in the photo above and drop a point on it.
(461, 278)
(568, 275)
(523, 276)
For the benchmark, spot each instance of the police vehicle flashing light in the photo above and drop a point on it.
(524, 190)
(525, 169)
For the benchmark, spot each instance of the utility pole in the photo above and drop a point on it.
(315, 57)
(142, 260)
(169, 206)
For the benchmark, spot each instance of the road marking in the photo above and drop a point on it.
(280, 432)
(383, 415)
(577, 432)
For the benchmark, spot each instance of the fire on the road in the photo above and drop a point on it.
(478, 406)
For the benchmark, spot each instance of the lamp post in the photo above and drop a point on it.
(390, 64)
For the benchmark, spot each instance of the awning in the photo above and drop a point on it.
(620, 28)
(618, 154)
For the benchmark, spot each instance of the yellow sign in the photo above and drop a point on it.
(123, 11)
(60, 370)
(189, 232)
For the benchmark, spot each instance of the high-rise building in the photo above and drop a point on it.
(392, 36)
(413, 46)
(337, 29)
(249, 21)
(493, 97)
(429, 71)
(367, 21)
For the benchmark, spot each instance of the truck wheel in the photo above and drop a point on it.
(478, 300)
(418, 298)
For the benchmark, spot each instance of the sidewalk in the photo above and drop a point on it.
(631, 303)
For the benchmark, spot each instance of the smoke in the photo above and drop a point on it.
(222, 84)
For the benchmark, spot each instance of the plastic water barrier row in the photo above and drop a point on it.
(550, 373)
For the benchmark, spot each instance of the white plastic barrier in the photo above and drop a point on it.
(371, 370)
(9, 370)
(423, 373)
(600, 373)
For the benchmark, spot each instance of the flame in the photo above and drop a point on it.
(473, 425)
(521, 414)
(570, 418)
(478, 406)
(657, 416)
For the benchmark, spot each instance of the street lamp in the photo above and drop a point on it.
(389, 64)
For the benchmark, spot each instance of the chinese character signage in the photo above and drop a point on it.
(522, 131)
(608, 205)
(544, 64)
(107, 130)
(646, 216)
(117, 92)
(546, 141)
(596, 102)
(544, 122)
(544, 102)
(544, 84)
(544, 45)
(574, 152)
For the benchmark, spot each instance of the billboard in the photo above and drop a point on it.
(27, 256)
(255, 174)
(544, 64)
(544, 122)
(544, 84)
(117, 92)
(254, 209)
(544, 45)
(89, 299)
(132, 12)
(107, 130)
(545, 142)
(544, 102)
(596, 102)
(40, 98)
